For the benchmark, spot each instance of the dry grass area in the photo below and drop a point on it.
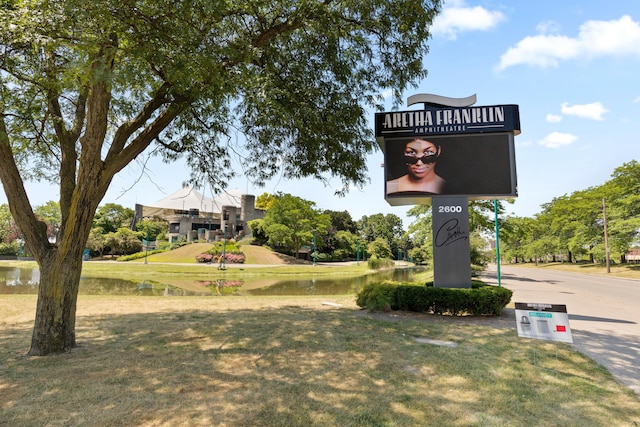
(254, 255)
(184, 254)
(293, 361)
(261, 255)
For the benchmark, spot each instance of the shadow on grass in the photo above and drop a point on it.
(288, 259)
(294, 366)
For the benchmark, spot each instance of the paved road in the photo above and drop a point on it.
(604, 313)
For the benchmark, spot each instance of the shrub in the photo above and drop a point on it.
(488, 300)
(377, 296)
(235, 258)
(323, 257)
(139, 255)
(230, 247)
(9, 248)
(164, 245)
(376, 263)
(232, 258)
(413, 298)
(232, 253)
(480, 300)
(205, 258)
(179, 244)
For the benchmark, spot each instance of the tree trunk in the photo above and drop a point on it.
(54, 328)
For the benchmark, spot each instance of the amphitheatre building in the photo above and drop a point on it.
(192, 216)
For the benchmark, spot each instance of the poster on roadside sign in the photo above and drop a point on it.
(543, 321)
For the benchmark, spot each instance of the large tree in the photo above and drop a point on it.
(87, 87)
(292, 222)
(112, 216)
(388, 227)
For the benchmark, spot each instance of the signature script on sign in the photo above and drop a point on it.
(449, 233)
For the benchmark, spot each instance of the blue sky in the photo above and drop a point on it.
(573, 67)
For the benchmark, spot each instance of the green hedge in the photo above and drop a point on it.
(139, 255)
(9, 248)
(377, 296)
(479, 300)
(375, 263)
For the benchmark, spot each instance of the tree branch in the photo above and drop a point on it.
(117, 161)
(33, 229)
(127, 129)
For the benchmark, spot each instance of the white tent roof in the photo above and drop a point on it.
(189, 198)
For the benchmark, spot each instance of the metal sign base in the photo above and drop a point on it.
(451, 249)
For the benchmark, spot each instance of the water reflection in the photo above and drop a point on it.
(25, 281)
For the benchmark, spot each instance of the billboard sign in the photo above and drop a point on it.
(452, 151)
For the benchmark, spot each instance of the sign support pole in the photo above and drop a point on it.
(495, 213)
(451, 250)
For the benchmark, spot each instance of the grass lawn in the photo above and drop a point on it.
(294, 361)
(290, 361)
(629, 271)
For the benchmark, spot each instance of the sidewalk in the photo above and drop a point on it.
(604, 313)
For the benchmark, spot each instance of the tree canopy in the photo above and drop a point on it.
(87, 87)
(292, 222)
(112, 216)
(572, 225)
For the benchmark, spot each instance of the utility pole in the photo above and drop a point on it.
(606, 236)
(497, 229)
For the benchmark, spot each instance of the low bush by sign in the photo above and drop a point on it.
(480, 300)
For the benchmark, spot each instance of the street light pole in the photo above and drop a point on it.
(497, 230)
(314, 246)
(224, 247)
(147, 251)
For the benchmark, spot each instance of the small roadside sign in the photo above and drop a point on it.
(543, 321)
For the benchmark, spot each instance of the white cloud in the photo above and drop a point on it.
(595, 39)
(636, 100)
(548, 27)
(458, 18)
(593, 111)
(557, 139)
(553, 118)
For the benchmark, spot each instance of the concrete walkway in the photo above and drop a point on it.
(604, 313)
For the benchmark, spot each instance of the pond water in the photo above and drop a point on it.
(25, 281)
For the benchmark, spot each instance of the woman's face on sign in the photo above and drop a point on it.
(420, 156)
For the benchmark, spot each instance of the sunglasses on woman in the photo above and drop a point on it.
(426, 159)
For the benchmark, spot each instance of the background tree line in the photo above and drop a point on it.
(292, 223)
(571, 227)
(111, 232)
